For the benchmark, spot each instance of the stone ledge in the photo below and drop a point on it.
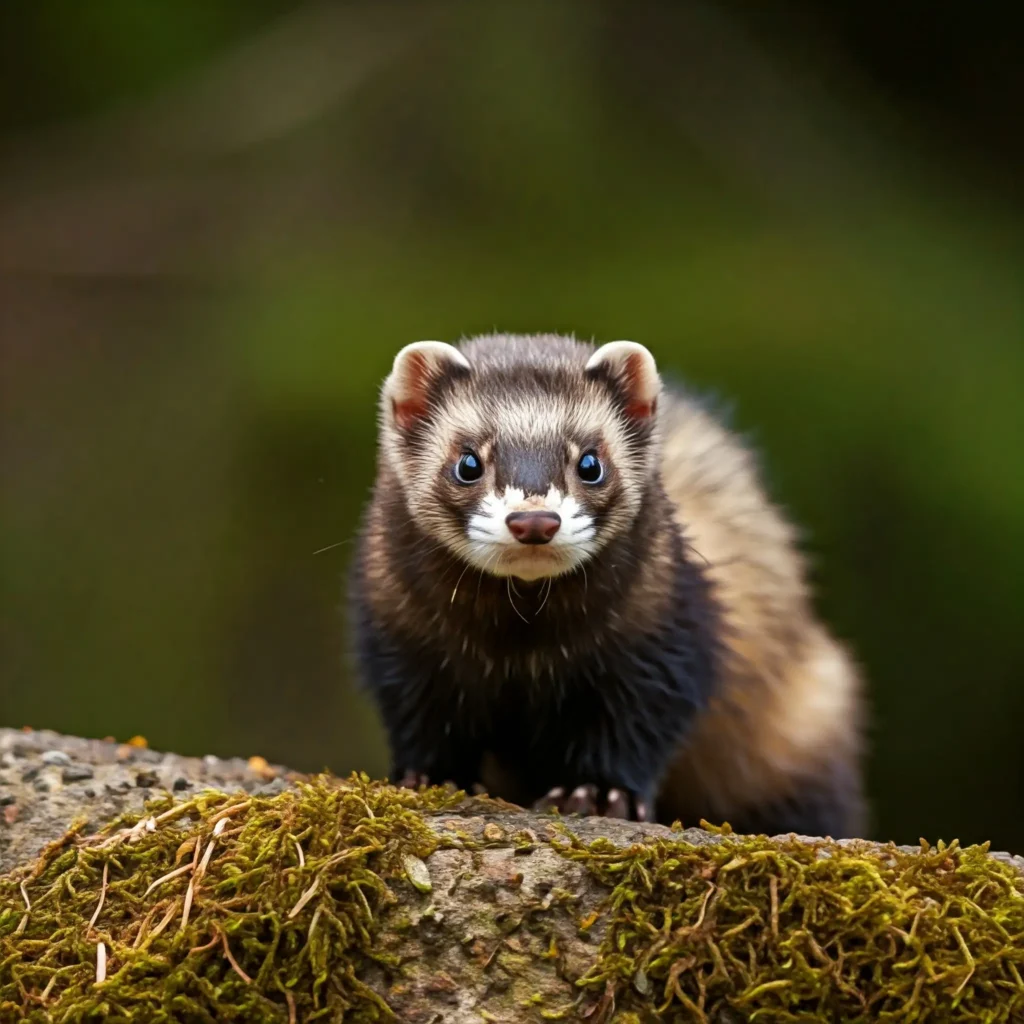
(445, 912)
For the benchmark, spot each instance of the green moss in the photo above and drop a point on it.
(809, 932)
(279, 925)
(284, 920)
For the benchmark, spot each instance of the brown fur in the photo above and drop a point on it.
(789, 704)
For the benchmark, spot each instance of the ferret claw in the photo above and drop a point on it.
(553, 800)
(583, 801)
(618, 804)
(588, 801)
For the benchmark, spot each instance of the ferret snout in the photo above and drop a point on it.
(533, 527)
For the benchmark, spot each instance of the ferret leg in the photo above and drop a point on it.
(421, 764)
(427, 749)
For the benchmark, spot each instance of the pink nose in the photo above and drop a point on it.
(533, 527)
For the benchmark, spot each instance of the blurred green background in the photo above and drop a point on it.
(218, 222)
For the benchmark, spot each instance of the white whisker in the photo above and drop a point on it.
(508, 587)
(457, 582)
(547, 594)
(486, 568)
(331, 547)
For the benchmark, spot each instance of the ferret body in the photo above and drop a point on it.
(571, 588)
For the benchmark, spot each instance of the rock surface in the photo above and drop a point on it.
(463, 922)
(48, 780)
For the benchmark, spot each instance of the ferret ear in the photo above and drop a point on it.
(632, 368)
(417, 366)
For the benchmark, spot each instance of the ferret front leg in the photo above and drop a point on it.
(607, 750)
(422, 759)
(427, 742)
(428, 748)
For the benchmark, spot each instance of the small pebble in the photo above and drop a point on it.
(146, 780)
(89, 792)
(77, 773)
(42, 785)
(259, 766)
(56, 757)
(417, 873)
(31, 772)
(7, 798)
(181, 783)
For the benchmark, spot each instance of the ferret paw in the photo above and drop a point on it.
(413, 780)
(589, 801)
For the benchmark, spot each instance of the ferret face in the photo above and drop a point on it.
(521, 461)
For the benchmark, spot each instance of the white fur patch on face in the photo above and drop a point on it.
(492, 547)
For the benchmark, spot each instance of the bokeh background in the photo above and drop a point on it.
(218, 222)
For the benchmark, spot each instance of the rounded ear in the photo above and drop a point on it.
(632, 369)
(417, 366)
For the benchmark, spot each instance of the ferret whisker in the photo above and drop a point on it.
(508, 587)
(547, 594)
(331, 547)
(458, 581)
(493, 558)
(483, 570)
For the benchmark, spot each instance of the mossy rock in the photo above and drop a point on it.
(355, 901)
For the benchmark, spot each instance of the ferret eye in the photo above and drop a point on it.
(590, 469)
(469, 468)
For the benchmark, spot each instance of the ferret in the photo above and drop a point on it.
(571, 589)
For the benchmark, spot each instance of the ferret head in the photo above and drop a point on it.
(523, 456)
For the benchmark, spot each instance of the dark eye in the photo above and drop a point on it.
(469, 468)
(590, 469)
